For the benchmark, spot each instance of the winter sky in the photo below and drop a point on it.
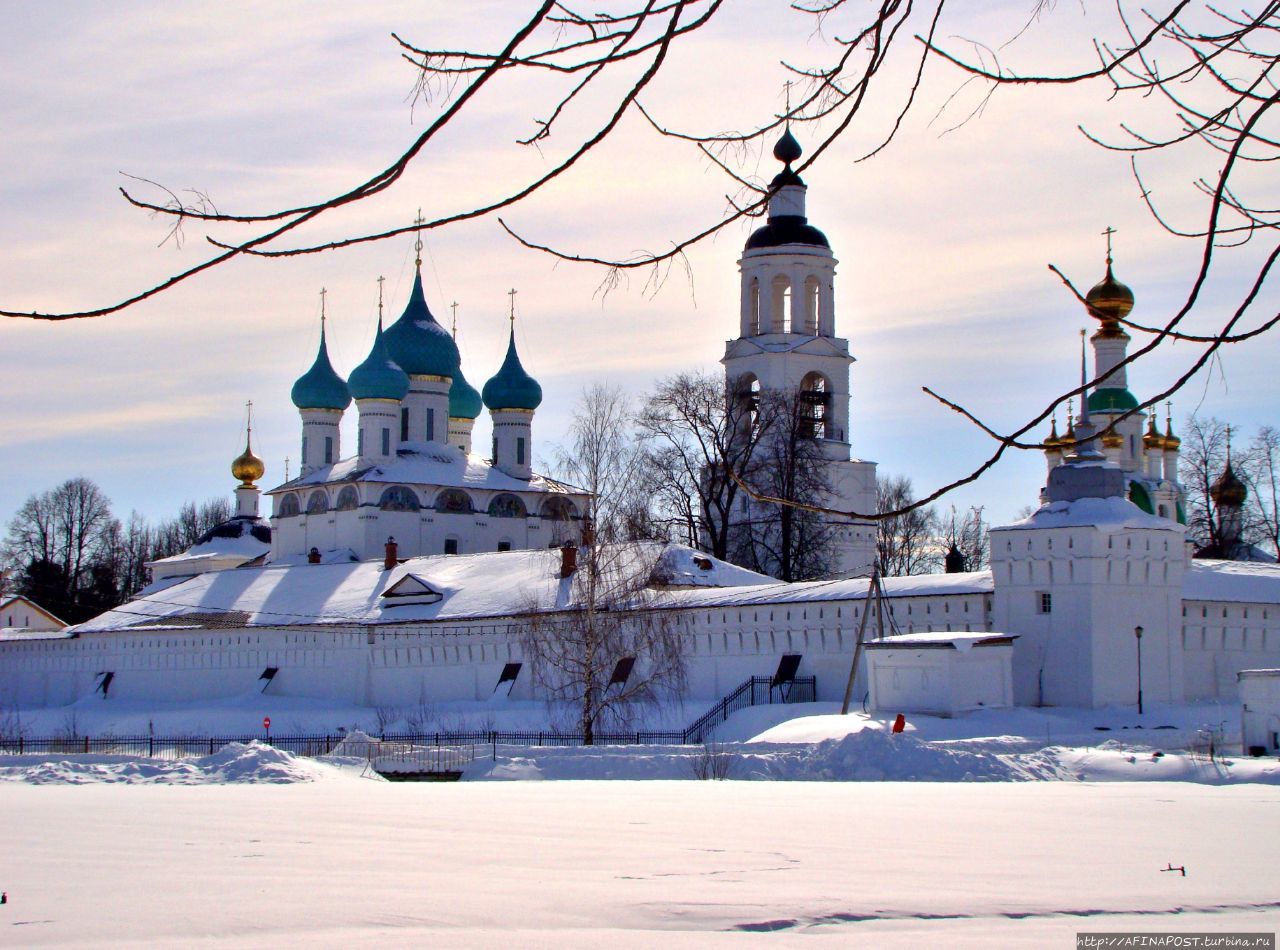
(943, 238)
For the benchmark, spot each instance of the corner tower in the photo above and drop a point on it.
(787, 346)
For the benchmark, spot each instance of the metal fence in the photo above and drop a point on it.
(759, 690)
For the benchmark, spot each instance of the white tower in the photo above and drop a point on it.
(378, 386)
(787, 346)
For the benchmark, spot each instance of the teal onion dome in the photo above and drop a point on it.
(511, 387)
(464, 399)
(378, 377)
(418, 343)
(320, 387)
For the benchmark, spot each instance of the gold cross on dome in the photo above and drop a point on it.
(512, 294)
(1107, 233)
(323, 292)
(381, 280)
(454, 307)
(419, 221)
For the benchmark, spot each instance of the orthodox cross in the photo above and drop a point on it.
(417, 244)
(788, 94)
(322, 295)
(1228, 446)
(512, 294)
(1107, 233)
(381, 281)
(454, 307)
(248, 422)
(286, 468)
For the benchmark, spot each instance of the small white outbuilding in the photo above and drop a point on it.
(942, 673)
(1259, 711)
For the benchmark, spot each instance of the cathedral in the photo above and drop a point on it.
(413, 482)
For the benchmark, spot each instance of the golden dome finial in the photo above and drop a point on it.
(1171, 441)
(248, 467)
(1109, 301)
(1053, 441)
(1152, 439)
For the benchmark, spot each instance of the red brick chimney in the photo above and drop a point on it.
(313, 556)
(390, 560)
(568, 560)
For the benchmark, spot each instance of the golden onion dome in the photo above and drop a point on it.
(1152, 439)
(1112, 440)
(1171, 441)
(1054, 441)
(247, 467)
(1109, 300)
(1227, 489)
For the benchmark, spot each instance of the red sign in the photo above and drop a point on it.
(266, 722)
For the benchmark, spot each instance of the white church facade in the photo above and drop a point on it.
(409, 570)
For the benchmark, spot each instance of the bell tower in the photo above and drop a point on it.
(787, 347)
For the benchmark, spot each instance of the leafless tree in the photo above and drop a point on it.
(781, 529)
(904, 541)
(599, 647)
(1263, 479)
(965, 531)
(693, 433)
(1214, 69)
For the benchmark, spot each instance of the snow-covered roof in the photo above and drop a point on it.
(943, 639)
(495, 584)
(854, 588)
(419, 463)
(26, 633)
(238, 539)
(1249, 582)
(1105, 514)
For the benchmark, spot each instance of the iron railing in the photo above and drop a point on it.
(758, 690)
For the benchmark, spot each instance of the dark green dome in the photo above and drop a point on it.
(417, 343)
(320, 387)
(464, 399)
(512, 387)
(1112, 400)
(378, 377)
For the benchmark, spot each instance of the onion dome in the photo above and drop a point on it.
(511, 387)
(1171, 441)
(417, 343)
(1109, 300)
(1112, 440)
(1152, 439)
(379, 377)
(464, 399)
(247, 467)
(786, 228)
(1227, 491)
(320, 387)
(1054, 441)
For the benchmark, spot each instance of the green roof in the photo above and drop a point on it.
(1112, 400)
(418, 343)
(1139, 496)
(511, 387)
(320, 387)
(378, 377)
(464, 400)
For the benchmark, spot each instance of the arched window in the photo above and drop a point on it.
(811, 306)
(507, 506)
(348, 500)
(753, 328)
(288, 506)
(454, 501)
(815, 399)
(780, 319)
(558, 509)
(399, 498)
(317, 503)
(746, 396)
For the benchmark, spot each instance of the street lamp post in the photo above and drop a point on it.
(1137, 633)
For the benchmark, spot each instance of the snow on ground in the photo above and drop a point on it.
(234, 763)
(678, 864)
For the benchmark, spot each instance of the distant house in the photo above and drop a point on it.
(23, 614)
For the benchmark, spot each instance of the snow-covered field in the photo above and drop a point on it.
(342, 861)
(1011, 828)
